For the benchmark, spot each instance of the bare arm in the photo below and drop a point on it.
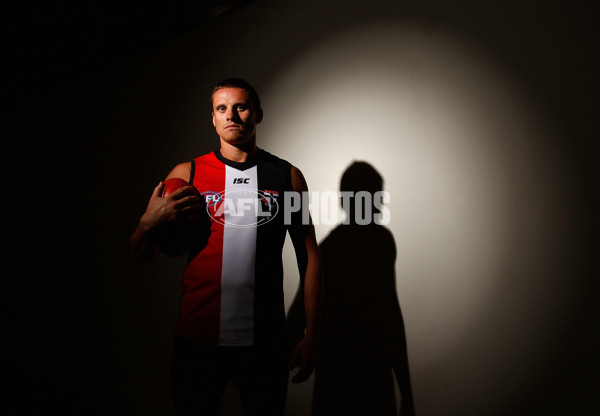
(307, 251)
(179, 204)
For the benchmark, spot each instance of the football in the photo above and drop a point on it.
(173, 184)
(178, 237)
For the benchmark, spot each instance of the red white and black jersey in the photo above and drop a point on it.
(233, 287)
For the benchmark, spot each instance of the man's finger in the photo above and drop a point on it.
(186, 201)
(294, 359)
(303, 373)
(158, 190)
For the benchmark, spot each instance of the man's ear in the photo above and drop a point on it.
(213, 118)
(259, 115)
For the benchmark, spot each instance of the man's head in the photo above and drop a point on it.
(235, 112)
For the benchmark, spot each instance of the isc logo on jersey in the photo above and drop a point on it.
(238, 181)
(241, 208)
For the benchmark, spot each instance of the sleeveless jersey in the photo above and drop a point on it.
(233, 285)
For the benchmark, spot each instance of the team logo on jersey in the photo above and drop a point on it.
(270, 197)
(241, 208)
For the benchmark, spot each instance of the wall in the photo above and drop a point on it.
(478, 118)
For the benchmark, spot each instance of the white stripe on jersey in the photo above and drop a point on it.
(238, 269)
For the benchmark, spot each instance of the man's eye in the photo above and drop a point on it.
(242, 108)
(221, 109)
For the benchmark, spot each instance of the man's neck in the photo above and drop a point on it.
(241, 153)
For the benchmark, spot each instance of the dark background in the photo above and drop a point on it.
(76, 339)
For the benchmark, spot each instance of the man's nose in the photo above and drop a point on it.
(232, 114)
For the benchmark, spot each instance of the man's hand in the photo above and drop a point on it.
(304, 357)
(184, 203)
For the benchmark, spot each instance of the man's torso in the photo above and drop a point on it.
(233, 292)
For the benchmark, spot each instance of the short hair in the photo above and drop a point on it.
(238, 83)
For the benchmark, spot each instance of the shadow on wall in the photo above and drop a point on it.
(363, 342)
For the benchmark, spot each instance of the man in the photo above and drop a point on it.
(231, 325)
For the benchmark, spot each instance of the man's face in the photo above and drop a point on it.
(233, 115)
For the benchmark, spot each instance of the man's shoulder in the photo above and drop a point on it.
(267, 157)
(207, 156)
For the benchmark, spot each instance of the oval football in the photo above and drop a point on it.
(173, 184)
